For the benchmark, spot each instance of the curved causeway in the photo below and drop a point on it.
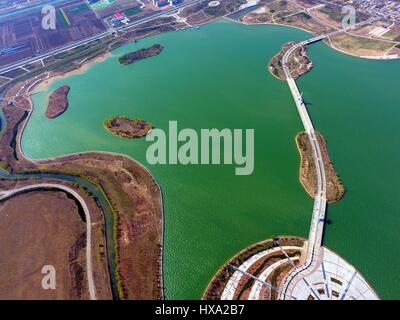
(292, 268)
(314, 254)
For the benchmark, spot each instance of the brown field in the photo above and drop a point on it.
(136, 199)
(329, 14)
(395, 50)
(306, 22)
(271, 12)
(45, 204)
(393, 34)
(36, 229)
(361, 46)
(201, 13)
(26, 31)
(134, 196)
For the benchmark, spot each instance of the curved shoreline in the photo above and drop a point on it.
(243, 255)
(257, 248)
(379, 58)
(19, 138)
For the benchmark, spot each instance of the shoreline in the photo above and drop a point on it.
(301, 58)
(379, 58)
(243, 255)
(108, 124)
(19, 138)
(79, 70)
(86, 64)
(66, 75)
(335, 188)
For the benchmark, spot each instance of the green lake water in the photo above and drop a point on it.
(356, 106)
(216, 77)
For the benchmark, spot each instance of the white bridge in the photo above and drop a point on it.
(314, 252)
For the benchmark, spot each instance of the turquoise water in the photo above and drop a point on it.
(217, 77)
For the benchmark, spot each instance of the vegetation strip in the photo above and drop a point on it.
(308, 177)
(128, 128)
(299, 63)
(141, 54)
(148, 286)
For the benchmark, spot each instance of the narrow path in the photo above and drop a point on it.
(10, 193)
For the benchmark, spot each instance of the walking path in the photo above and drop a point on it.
(10, 193)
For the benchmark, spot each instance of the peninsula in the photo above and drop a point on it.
(298, 62)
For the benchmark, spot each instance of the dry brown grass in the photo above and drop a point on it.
(133, 194)
(36, 229)
(361, 46)
(308, 178)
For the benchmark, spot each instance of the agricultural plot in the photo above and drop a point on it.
(106, 8)
(22, 36)
(361, 46)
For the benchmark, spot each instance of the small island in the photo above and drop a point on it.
(58, 102)
(141, 54)
(128, 128)
(298, 62)
(308, 175)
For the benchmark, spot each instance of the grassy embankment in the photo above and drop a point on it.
(308, 176)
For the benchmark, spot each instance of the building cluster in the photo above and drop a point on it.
(164, 3)
(388, 9)
(118, 19)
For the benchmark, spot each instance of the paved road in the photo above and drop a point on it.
(319, 209)
(10, 193)
(104, 34)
